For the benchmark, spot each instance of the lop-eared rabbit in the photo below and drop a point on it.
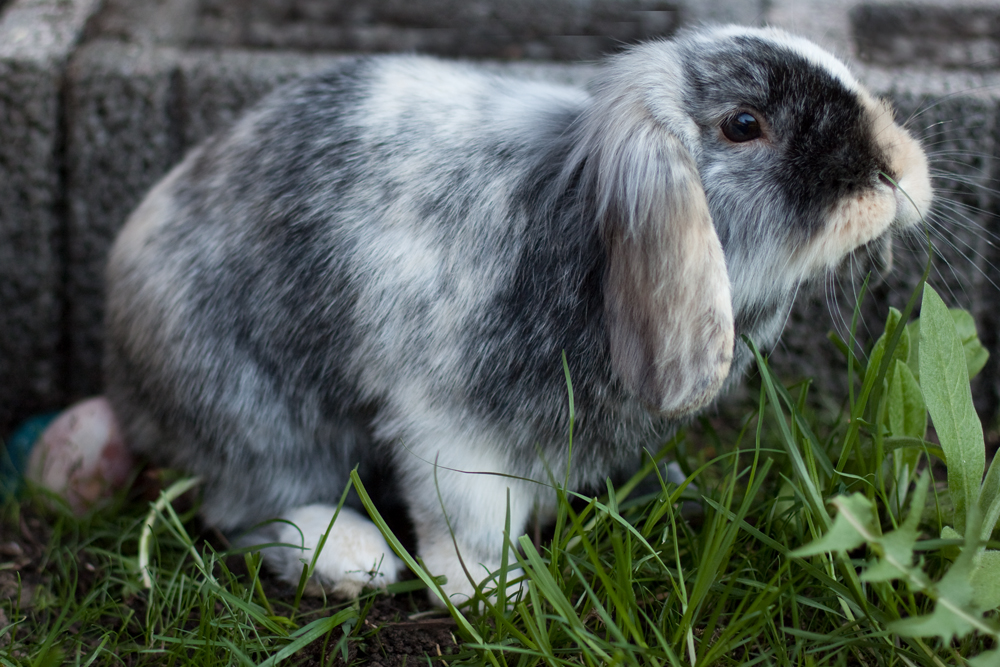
(382, 265)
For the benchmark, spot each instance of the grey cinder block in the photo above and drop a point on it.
(123, 133)
(36, 40)
(133, 111)
(552, 30)
(939, 34)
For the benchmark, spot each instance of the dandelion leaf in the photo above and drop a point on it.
(989, 499)
(957, 603)
(905, 410)
(986, 580)
(895, 548)
(852, 527)
(975, 354)
(951, 552)
(913, 360)
(944, 379)
(987, 659)
(955, 614)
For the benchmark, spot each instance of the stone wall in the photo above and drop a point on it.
(99, 99)
(37, 40)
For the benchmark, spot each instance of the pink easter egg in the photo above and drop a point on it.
(81, 455)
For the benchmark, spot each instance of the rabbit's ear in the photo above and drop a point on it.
(667, 293)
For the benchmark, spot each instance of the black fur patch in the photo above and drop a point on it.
(816, 124)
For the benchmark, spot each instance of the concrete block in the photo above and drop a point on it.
(552, 30)
(824, 22)
(941, 34)
(123, 133)
(36, 40)
(216, 85)
(133, 111)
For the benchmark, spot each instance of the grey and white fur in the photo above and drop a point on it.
(382, 266)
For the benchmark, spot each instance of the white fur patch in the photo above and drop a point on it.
(441, 558)
(449, 463)
(354, 557)
(156, 210)
(907, 161)
(858, 219)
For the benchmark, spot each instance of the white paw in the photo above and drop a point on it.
(441, 559)
(355, 555)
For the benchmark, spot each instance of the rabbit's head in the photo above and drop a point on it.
(728, 166)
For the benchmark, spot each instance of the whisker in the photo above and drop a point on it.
(972, 249)
(940, 100)
(989, 238)
(831, 294)
(975, 254)
(960, 214)
(854, 293)
(957, 152)
(964, 179)
(832, 304)
(926, 136)
(921, 108)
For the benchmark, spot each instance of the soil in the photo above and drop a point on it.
(396, 630)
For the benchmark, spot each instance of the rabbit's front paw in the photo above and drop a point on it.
(441, 558)
(355, 555)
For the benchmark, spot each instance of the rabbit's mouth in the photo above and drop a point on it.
(908, 177)
(854, 226)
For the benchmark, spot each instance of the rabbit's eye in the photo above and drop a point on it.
(741, 127)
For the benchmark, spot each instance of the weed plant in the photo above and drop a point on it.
(802, 541)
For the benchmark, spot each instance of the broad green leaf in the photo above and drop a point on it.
(952, 618)
(975, 354)
(880, 569)
(989, 500)
(913, 360)
(954, 551)
(986, 580)
(960, 597)
(895, 548)
(902, 350)
(906, 417)
(905, 409)
(853, 526)
(987, 659)
(956, 613)
(944, 380)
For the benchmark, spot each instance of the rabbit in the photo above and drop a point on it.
(382, 266)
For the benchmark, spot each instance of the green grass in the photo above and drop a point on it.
(820, 539)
